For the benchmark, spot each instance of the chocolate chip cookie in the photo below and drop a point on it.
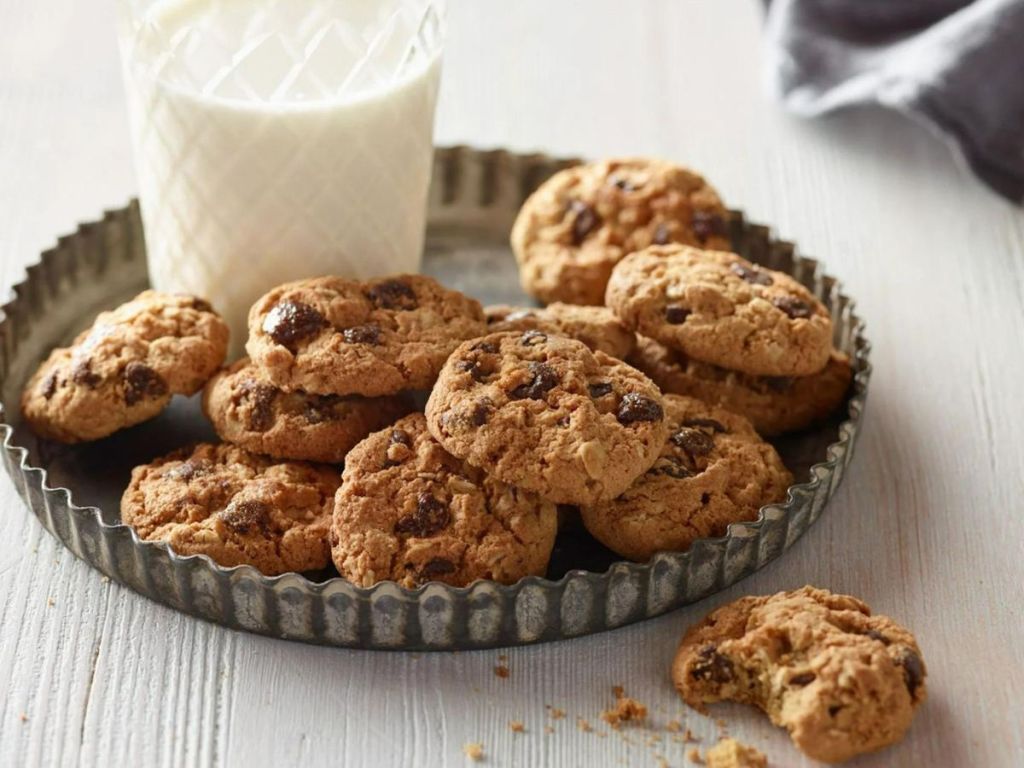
(249, 411)
(125, 368)
(578, 224)
(840, 680)
(546, 414)
(773, 404)
(713, 470)
(333, 336)
(721, 309)
(597, 327)
(236, 507)
(410, 512)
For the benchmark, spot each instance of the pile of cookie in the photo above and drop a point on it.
(531, 414)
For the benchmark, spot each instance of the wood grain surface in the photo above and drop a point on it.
(927, 528)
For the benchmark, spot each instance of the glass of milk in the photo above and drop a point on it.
(280, 139)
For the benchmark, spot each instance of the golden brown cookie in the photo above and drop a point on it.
(597, 327)
(333, 336)
(719, 308)
(410, 512)
(580, 222)
(249, 411)
(773, 404)
(235, 507)
(125, 368)
(546, 414)
(840, 680)
(713, 470)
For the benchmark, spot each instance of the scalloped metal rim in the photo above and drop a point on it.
(17, 456)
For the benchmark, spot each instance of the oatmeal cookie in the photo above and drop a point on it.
(774, 404)
(546, 414)
(721, 309)
(236, 507)
(597, 327)
(249, 411)
(125, 368)
(713, 470)
(578, 224)
(411, 512)
(840, 680)
(333, 336)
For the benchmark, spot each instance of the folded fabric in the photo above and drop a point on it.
(954, 65)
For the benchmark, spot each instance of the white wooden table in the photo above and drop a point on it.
(927, 528)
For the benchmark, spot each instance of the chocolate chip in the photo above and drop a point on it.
(635, 407)
(400, 437)
(586, 221)
(542, 380)
(711, 424)
(473, 368)
(485, 346)
(661, 235)
(874, 634)
(201, 305)
(320, 408)
(676, 314)
(795, 308)
(245, 516)
(621, 182)
(713, 666)
(705, 498)
(82, 374)
(804, 678)
(290, 322)
(437, 566)
(481, 412)
(50, 385)
(140, 382)
(834, 710)
(362, 334)
(393, 294)
(693, 441)
(431, 517)
(751, 274)
(533, 338)
(189, 469)
(913, 669)
(671, 466)
(706, 223)
(600, 389)
(261, 402)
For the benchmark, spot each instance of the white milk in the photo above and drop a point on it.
(280, 139)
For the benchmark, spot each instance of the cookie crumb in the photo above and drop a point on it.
(501, 671)
(105, 579)
(688, 736)
(661, 762)
(583, 725)
(23, 717)
(474, 751)
(556, 713)
(729, 753)
(516, 726)
(693, 755)
(50, 602)
(548, 729)
(625, 710)
(673, 726)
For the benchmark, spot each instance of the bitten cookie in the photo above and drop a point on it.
(410, 512)
(597, 327)
(580, 222)
(713, 470)
(235, 507)
(125, 368)
(841, 681)
(773, 404)
(333, 336)
(249, 411)
(546, 414)
(721, 309)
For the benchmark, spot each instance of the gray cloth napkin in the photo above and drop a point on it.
(955, 65)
